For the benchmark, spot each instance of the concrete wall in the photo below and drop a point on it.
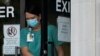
(83, 28)
(97, 27)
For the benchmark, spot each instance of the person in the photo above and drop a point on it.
(30, 40)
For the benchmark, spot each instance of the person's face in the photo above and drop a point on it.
(32, 16)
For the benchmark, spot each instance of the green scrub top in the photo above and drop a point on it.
(35, 46)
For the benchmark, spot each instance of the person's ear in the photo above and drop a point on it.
(40, 16)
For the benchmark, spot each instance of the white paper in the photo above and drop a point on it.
(11, 38)
(30, 37)
(64, 28)
(8, 50)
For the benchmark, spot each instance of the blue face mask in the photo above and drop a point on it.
(32, 22)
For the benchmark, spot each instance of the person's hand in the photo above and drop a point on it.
(60, 51)
(25, 52)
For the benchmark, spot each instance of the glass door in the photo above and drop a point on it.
(53, 39)
(9, 15)
(59, 19)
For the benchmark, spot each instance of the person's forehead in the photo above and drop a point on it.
(28, 15)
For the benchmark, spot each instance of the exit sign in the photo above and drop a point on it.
(63, 6)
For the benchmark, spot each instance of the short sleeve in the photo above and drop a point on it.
(55, 36)
(23, 35)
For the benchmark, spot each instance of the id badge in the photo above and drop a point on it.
(30, 37)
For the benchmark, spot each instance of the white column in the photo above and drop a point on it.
(97, 27)
(83, 28)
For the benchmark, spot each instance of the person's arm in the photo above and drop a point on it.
(60, 51)
(57, 44)
(25, 52)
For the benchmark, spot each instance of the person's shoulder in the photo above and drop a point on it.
(24, 29)
(52, 27)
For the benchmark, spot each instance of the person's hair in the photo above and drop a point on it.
(33, 9)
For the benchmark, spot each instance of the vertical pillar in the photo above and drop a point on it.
(44, 29)
(97, 27)
(83, 30)
(22, 14)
